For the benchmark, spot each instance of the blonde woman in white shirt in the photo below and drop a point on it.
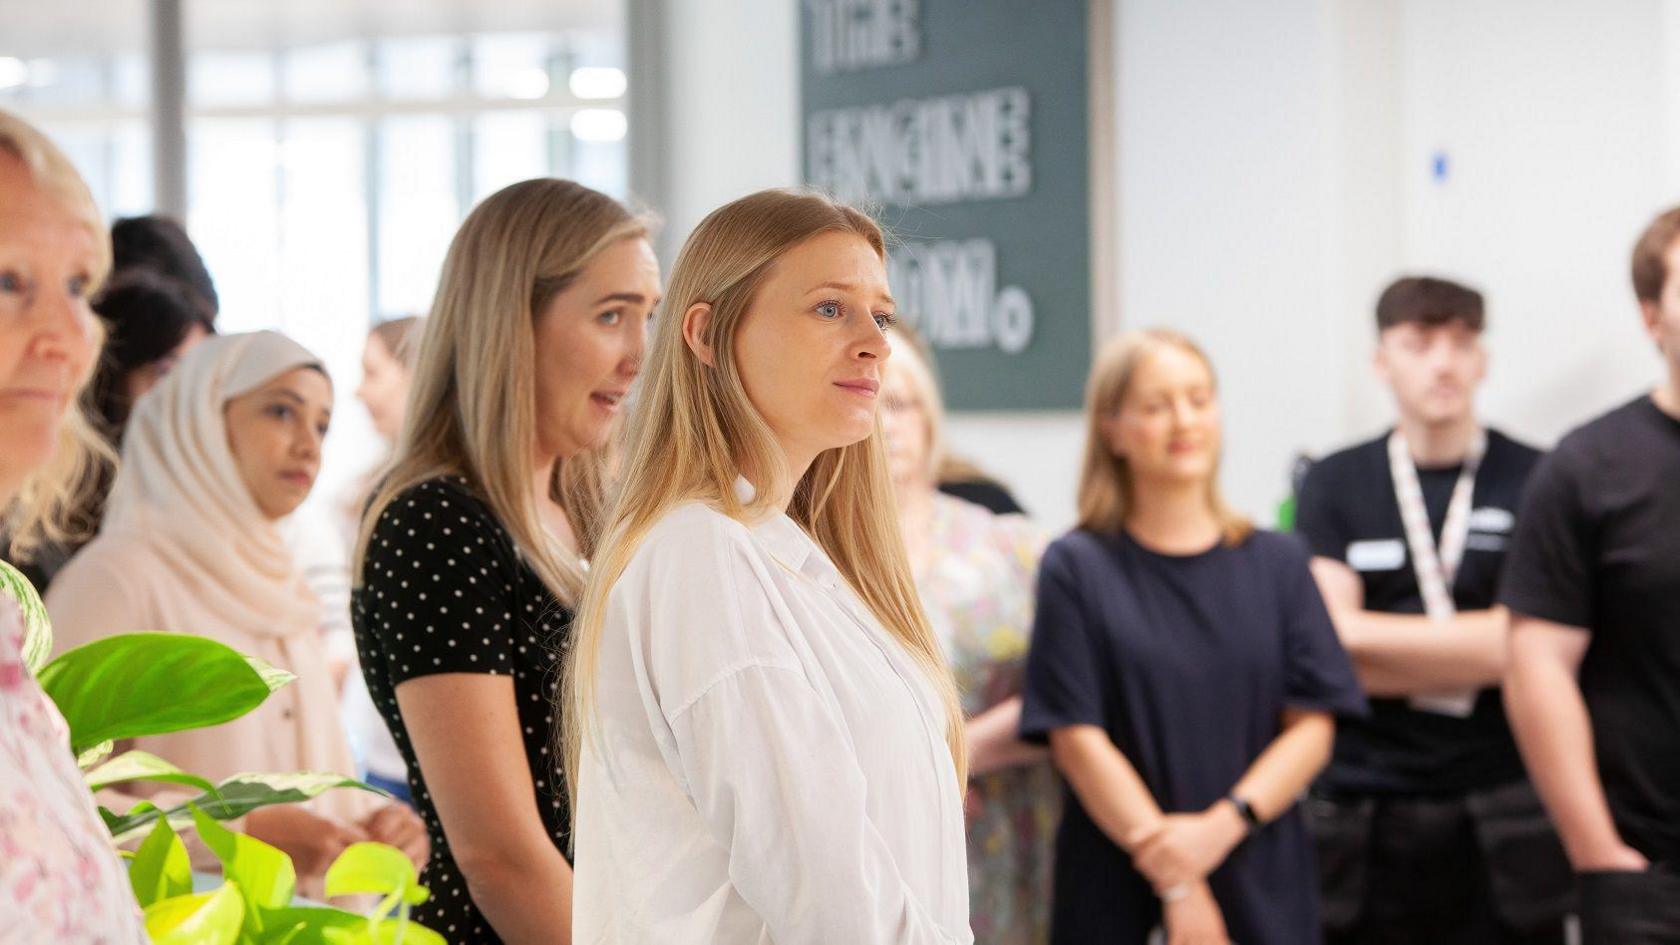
(762, 738)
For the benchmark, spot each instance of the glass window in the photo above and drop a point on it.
(418, 210)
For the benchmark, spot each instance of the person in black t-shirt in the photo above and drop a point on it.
(1594, 590)
(1427, 828)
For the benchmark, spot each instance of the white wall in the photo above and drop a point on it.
(1274, 172)
(731, 82)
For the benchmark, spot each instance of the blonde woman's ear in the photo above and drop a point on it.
(696, 321)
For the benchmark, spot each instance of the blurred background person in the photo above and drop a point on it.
(215, 457)
(1593, 586)
(471, 554)
(160, 244)
(974, 571)
(60, 881)
(387, 373)
(1186, 675)
(1426, 824)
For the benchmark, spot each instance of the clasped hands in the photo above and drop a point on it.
(1176, 854)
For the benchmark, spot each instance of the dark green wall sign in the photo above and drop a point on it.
(963, 124)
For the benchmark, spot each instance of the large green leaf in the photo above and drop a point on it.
(160, 869)
(235, 797)
(141, 766)
(263, 873)
(375, 868)
(212, 918)
(37, 629)
(138, 684)
(310, 924)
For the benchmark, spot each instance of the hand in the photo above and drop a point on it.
(311, 840)
(396, 823)
(1185, 848)
(1619, 857)
(1194, 918)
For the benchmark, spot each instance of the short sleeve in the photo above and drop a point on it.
(1548, 569)
(1317, 673)
(1317, 520)
(438, 586)
(1063, 685)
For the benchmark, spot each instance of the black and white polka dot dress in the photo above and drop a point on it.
(445, 591)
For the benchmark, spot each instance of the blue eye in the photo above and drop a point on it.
(611, 318)
(830, 310)
(9, 282)
(78, 286)
(885, 320)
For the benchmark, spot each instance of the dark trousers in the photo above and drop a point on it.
(1630, 908)
(1482, 869)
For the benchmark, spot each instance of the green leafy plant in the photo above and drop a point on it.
(139, 684)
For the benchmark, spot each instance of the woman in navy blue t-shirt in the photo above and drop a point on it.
(1186, 675)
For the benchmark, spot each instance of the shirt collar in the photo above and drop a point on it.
(781, 535)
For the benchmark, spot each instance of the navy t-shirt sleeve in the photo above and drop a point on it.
(1063, 685)
(1548, 569)
(1317, 520)
(436, 586)
(1317, 673)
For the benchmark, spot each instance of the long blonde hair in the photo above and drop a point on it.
(42, 508)
(693, 432)
(472, 406)
(1105, 482)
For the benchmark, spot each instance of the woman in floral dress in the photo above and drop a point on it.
(975, 573)
(60, 880)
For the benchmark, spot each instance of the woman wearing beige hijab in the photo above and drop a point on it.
(215, 457)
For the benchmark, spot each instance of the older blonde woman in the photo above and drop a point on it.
(60, 881)
(974, 571)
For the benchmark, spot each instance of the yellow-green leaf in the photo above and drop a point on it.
(212, 918)
(377, 868)
(160, 869)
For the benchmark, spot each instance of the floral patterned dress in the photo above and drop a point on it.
(60, 880)
(977, 588)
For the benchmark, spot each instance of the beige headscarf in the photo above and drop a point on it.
(179, 491)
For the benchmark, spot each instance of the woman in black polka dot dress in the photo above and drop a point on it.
(472, 549)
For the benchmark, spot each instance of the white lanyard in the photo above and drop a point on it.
(1436, 568)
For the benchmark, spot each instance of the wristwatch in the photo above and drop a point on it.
(1245, 810)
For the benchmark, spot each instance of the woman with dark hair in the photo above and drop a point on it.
(160, 244)
(151, 319)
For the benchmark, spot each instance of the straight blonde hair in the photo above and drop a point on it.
(43, 507)
(472, 406)
(1105, 482)
(693, 432)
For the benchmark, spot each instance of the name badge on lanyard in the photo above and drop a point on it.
(1436, 568)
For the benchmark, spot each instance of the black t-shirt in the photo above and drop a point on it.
(1346, 510)
(1187, 662)
(1598, 547)
(444, 590)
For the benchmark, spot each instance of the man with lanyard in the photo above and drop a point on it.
(1428, 830)
(1594, 592)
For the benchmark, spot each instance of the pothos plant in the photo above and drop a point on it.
(140, 684)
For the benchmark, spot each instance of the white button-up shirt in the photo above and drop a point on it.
(768, 764)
